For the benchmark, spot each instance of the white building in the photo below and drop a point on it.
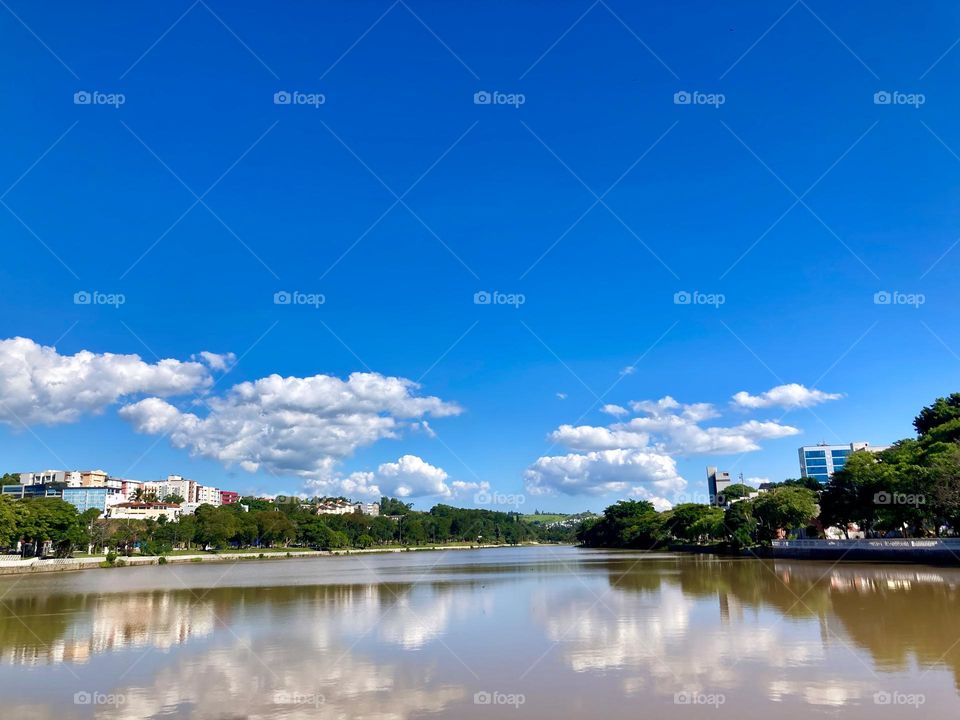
(143, 511)
(72, 478)
(822, 461)
(331, 506)
(207, 495)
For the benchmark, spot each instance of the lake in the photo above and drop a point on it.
(531, 632)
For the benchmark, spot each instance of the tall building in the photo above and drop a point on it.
(822, 461)
(717, 482)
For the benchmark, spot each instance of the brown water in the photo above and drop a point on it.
(549, 632)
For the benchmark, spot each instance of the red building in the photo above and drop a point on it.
(228, 497)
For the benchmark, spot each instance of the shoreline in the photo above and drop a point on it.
(95, 562)
(906, 551)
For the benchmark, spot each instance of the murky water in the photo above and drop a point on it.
(548, 632)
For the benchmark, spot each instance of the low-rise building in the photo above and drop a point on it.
(143, 511)
(339, 506)
(228, 497)
(19, 492)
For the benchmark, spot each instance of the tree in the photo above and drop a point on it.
(43, 519)
(9, 479)
(736, 491)
(740, 523)
(943, 411)
(173, 499)
(392, 506)
(696, 522)
(783, 508)
(8, 523)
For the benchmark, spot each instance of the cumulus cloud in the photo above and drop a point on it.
(636, 456)
(789, 396)
(646, 474)
(38, 385)
(291, 425)
(408, 477)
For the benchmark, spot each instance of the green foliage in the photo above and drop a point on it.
(740, 524)
(174, 499)
(392, 506)
(628, 523)
(694, 522)
(9, 479)
(737, 491)
(783, 508)
(943, 411)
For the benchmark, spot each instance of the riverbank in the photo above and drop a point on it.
(37, 565)
(921, 551)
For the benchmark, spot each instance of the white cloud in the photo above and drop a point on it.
(408, 477)
(615, 410)
(561, 396)
(38, 385)
(628, 370)
(637, 456)
(589, 437)
(789, 396)
(640, 473)
(291, 425)
(217, 361)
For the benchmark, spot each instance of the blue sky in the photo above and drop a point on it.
(795, 195)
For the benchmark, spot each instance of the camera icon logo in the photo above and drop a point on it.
(682, 297)
(882, 698)
(282, 97)
(482, 298)
(682, 698)
(682, 98)
(82, 297)
(882, 298)
(882, 97)
(882, 498)
(482, 498)
(82, 698)
(482, 97)
(482, 698)
(282, 297)
(82, 97)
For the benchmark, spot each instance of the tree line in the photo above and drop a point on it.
(34, 522)
(911, 489)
